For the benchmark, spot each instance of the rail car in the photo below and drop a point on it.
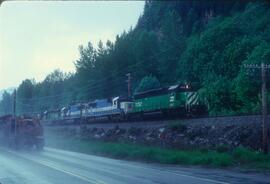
(177, 100)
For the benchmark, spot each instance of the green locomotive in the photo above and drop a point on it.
(177, 99)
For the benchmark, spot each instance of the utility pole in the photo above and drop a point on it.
(264, 110)
(14, 112)
(129, 84)
(265, 127)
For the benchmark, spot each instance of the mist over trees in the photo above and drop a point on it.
(6, 103)
(204, 43)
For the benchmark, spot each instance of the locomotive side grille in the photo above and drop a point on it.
(192, 98)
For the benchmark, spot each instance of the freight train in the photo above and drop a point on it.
(176, 100)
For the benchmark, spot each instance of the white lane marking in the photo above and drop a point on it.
(47, 164)
(188, 176)
(154, 169)
(107, 170)
(14, 171)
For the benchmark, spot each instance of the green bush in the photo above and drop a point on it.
(219, 158)
(244, 155)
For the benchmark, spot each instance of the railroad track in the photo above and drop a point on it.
(154, 121)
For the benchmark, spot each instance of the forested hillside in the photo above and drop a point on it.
(204, 43)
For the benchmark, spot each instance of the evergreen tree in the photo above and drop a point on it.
(148, 83)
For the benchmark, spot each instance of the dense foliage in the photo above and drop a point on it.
(147, 83)
(201, 42)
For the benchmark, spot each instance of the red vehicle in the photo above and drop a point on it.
(22, 132)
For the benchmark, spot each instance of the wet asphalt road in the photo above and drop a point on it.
(54, 166)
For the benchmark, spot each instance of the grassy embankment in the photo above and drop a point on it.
(240, 157)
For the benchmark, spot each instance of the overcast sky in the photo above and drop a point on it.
(38, 37)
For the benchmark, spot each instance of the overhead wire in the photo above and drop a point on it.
(97, 83)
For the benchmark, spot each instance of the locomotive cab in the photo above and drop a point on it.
(127, 107)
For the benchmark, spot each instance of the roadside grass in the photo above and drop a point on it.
(240, 157)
